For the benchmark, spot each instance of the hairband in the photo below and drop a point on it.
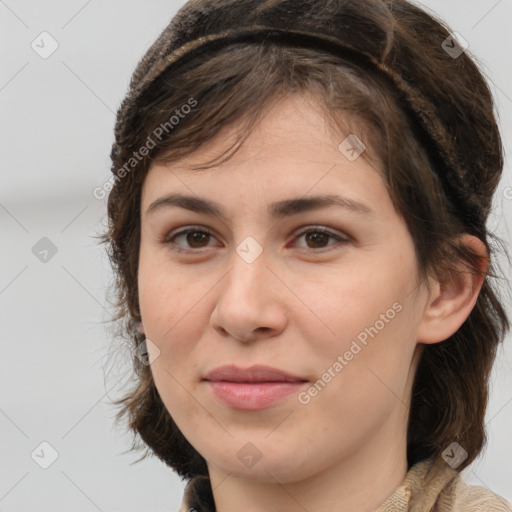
(185, 37)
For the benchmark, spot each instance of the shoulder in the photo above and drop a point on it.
(458, 496)
(433, 486)
(449, 492)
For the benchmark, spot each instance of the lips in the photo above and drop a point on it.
(252, 388)
(258, 373)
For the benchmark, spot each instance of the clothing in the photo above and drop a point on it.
(427, 487)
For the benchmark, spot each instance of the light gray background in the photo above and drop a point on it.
(57, 118)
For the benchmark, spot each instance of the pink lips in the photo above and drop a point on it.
(251, 388)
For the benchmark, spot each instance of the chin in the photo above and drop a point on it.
(263, 461)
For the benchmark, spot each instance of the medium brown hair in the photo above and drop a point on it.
(236, 86)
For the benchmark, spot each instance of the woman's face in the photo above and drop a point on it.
(306, 269)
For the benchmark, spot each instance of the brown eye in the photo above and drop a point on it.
(197, 238)
(319, 238)
(191, 240)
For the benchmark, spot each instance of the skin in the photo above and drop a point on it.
(297, 307)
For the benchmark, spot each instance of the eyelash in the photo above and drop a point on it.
(168, 241)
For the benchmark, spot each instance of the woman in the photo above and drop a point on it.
(298, 230)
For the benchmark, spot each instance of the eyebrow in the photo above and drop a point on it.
(277, 210)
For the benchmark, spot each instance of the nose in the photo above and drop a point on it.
(251, 302)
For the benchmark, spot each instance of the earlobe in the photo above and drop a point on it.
(453, 296)
(141, 328)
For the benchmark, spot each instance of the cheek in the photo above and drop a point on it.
(365, 358)
(171, 317)
(374, 322)
(163, 291)
(175, 309)
(170, 309)
(365, 300)
(162, 300)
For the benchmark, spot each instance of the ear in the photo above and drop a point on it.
(141, 328)
(453, 296)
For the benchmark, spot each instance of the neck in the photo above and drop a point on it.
(361, 481)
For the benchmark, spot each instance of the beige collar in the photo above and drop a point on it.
(429, 486)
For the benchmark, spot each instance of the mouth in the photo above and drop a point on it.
(257, 373)
(252, 388)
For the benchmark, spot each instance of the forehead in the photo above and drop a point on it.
(293, 151)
